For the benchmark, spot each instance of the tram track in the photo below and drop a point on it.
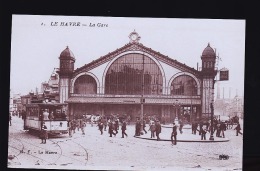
(23, 142)
(95, 134)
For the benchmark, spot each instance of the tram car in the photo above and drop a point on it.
(53, 115)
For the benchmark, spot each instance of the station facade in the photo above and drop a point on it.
(117, 82)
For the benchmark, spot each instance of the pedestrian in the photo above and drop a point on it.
(82, 126)
(181, 126)
(194, 127)
(43, 133)
(74, 125)
(238, 128)
(218, 130)
(111, 129)
(144, 125)
(203, 132)
(137, 128)
(117, 124)
(100, 127)
(223, 129)
(92, 119)
(200, 127)
(158, 129)
(10, 119)
(152, 129)
(70, 128)
(174, 134)
(104, 120)
(123, 128)
(78, 124)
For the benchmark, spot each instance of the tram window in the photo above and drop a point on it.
(32, 112)
(57, 114)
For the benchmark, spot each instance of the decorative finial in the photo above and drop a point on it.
(208, 44)
(67, 47)
(134, 37)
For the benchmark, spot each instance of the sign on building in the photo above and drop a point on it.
(224, 74)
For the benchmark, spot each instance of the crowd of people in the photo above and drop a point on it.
(112, 125)
(219, 127)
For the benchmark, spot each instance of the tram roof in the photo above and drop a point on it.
(45, 104)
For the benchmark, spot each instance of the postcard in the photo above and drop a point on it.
(121, 93)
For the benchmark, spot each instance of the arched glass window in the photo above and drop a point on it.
(124, 76)
(184, 85)
(85, 84)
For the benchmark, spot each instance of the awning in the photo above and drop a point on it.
(131, 100)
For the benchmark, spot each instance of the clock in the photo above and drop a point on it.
(134, 37)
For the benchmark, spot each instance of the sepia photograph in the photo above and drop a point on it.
(126, 93)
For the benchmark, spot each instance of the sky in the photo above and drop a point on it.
(38, 40)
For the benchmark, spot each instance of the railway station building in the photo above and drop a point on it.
(117, 82)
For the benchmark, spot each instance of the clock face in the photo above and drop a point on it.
(133, 36)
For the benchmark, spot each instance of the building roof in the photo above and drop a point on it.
(208, 52)
(67, 54)
(135, 46)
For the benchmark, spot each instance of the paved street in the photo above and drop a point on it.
(95, 151)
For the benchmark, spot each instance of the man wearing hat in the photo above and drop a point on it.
(158, 129)
(123, 128)
(174, 134)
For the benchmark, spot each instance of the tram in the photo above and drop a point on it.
(51, 114)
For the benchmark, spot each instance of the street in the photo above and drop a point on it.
(95, 151)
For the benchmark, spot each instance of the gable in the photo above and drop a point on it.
(136, 47)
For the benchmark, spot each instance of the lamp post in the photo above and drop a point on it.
(212, 113)
(142, 96)
(176, 104)
(223, 76)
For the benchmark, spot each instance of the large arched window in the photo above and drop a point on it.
(85, 84)
(184, 85)
(125, 76)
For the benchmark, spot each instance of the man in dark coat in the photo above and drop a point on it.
(223, 129)
(194, 127)
(100, 126)
(158, 129)
(123, 128)
(238, 128)
(110, 129)
(218, 130)
(137, 128)
(200, 127)
(104, 120)
(174, 134)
